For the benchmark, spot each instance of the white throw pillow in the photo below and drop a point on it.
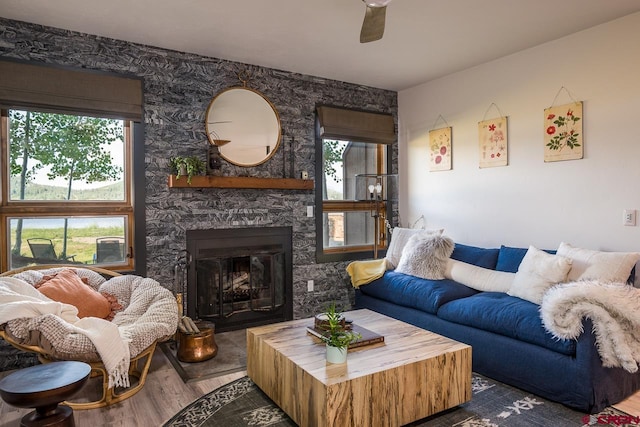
(481, 279)
(425, 256)
(596, 265)
(399, 238)
(537, 272)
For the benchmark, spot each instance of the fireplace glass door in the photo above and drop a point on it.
(240, 277)
(229, 285)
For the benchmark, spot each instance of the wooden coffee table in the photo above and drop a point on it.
(413, 374)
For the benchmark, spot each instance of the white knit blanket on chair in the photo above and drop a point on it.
(18, 299)
(614, 309)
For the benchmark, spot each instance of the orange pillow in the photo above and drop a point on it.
(113, 303)
(67, 287)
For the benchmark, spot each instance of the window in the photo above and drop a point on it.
(347, 218)
(67, 197)
(66, 165)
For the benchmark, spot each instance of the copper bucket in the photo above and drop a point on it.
(197, 347)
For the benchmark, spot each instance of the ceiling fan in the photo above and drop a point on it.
(374, 17)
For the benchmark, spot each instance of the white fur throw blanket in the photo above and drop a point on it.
(614, 309)
(18, 299)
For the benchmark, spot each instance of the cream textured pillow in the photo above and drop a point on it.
(399, 238)
(596, 265)
(425, 256)
(538, 271)
(481, 279)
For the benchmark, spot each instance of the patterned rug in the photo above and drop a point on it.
(242, 403)
(11, 358)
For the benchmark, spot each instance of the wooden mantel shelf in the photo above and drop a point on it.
(241, 182)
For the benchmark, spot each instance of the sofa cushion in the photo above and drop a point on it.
(425, 256)
(597, 265)
(509, 258)
(538, 271)
(505, 315)
(399, 239)
(410, 291)
(481, 279)
(485, 258)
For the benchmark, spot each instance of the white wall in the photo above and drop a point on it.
(529, 201)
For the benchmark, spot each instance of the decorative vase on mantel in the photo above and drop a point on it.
(214, 163)
(188, 166)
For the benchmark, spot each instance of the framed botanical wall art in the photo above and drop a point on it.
(563, 132)
(440, 149)
(493, 142)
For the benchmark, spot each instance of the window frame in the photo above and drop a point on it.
(347, 253)
(128, 207)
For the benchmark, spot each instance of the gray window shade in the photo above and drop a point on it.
(350, 125)
(39, 86)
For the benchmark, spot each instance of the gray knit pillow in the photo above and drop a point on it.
(426, 256)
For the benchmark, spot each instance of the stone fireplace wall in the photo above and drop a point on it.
(178, 88)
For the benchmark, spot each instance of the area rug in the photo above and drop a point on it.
(12, 358)
(231, 357)
(242, 403)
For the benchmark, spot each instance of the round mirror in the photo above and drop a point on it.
(244, 125)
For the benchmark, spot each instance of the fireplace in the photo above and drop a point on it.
(240, 277)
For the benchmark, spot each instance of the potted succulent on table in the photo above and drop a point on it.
(189, 166)
(337, 336)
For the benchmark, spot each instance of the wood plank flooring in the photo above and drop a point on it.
(630, 405)
(165, 394)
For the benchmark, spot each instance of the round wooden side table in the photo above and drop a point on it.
(43, 387)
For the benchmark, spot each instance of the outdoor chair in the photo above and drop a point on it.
(43, 249)
(109, 249)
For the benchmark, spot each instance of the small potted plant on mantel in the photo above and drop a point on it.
(337, 336)
(189, 166)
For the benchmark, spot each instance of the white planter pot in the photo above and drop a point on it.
(336, 354)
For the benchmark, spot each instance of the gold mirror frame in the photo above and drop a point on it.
(244, 125)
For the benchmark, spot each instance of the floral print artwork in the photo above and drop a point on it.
(493, 142)
(440, 149)
(563, 132)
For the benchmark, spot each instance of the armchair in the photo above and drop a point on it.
(149, 314)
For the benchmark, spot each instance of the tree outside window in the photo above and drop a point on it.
(347, 224)
(64, 168)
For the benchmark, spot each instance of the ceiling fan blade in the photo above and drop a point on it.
(373, 24)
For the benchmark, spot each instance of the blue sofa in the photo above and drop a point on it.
(506, 333)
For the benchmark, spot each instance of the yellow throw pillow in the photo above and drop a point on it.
(66, 287)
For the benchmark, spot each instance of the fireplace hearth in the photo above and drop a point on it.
(240, 277)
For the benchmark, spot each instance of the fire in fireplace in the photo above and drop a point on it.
(240, 277)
